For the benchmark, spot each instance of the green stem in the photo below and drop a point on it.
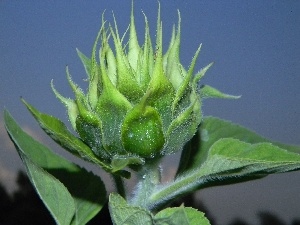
(181, 186)
(148, 179)
(119, 183)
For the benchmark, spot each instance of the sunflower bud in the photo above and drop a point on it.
(140, 103)
(142, 131)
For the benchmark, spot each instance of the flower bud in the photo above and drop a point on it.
(140, 103)
(142, 132)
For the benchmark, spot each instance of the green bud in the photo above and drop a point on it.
(142, 132)
(140, 103)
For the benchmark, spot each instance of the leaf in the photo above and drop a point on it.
(124, 214)
(58, 131)
(87, 62)
(133, 45)
(54, 194)
(210, 92)
(126, 82)
(172, 61)
(119, 162)
(61, 135)
(160, 92)
(91, 135)
(180, 216)
(112, 107)
(87, 190)
(228, 161)
(70, 104)
(260, 158)
(146, 60)
(183, 128)
(212, 129)
(182, 97)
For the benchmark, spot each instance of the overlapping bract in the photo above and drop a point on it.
(140, 103)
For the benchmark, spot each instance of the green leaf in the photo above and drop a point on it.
(87, 62)
(124, 214)
(183, 128)
(227, 161)
(180, 216)
(87, 190)
(231, 161)
(94, 73)
(70, 104)
(58, 131)
(54, 194)
(111, 100)
(133, 48)
(172, 61)
(111, 66)
(126, 81)
(212, 129)
(119, 162)
(182, 99)
(159, 95)
(91, 135)
(160, 92)
(146, 60)
(210, 92)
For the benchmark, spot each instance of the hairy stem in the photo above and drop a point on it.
(183, 185)
(148, 178)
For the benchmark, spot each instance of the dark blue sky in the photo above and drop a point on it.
(255, 46)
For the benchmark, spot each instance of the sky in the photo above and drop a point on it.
(254, 45)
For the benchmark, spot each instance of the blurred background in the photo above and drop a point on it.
(254, 44)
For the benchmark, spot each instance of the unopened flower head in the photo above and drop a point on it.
(140, 103)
